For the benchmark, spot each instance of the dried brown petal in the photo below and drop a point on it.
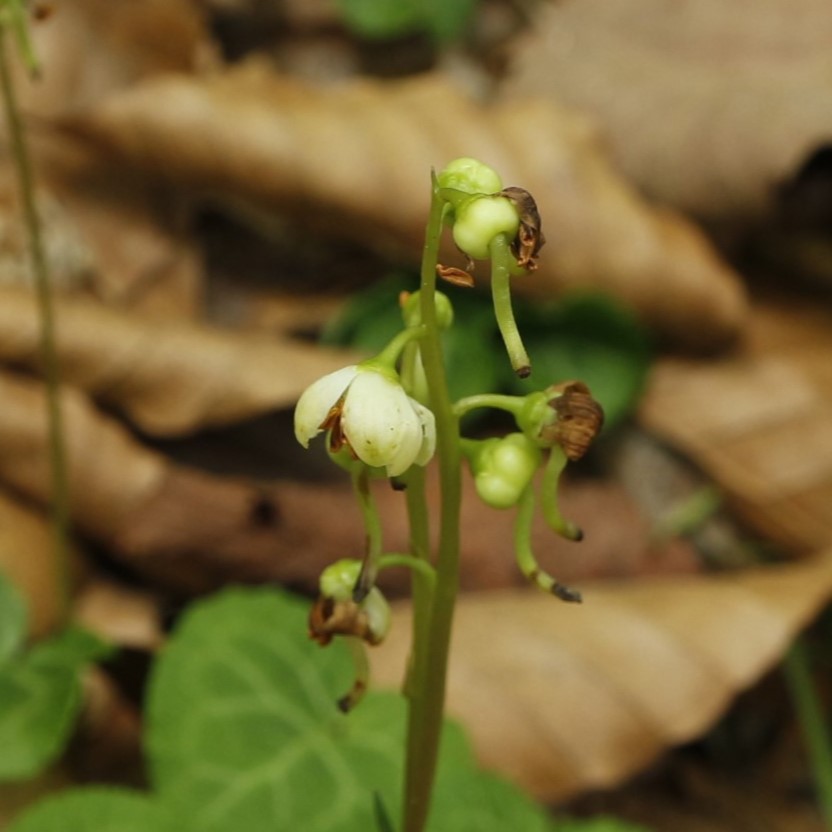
(579, 418)
(459, 277)
(332, 423)
(329, 618)
(529, 240)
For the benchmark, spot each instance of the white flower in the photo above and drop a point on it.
(369, 411)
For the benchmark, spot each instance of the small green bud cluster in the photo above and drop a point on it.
(502, 467)
(480, 212)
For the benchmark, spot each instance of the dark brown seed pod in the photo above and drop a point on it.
(529, 240)
(579, 418)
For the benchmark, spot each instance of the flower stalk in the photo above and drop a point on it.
(11, 19)
(390, 414)
(431, 645)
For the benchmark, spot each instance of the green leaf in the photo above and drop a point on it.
(384, 823)
(382, 19)
(243, 727)
(13, 621)
(600, 824)
(244, 732)
(468, 800)
(97, 810)
(447, 19)
(40, 697)
(589, 338)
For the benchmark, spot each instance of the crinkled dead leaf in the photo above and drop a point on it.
(759, 421)
(353, 160)
(564, 699)
(707, 106)
(169, 377)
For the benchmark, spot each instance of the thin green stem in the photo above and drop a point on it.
(421, 588)
(511, 404)
(430, 651)
(358, 652)
(14, 17)
(549, 495)
(501, 268)
(391, 352)
(812, 723)
(393, 559)
(43, 287)
(525, 556)
(372, 524)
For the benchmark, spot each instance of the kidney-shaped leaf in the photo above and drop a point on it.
(563, 698)
(244, 732)
(96, 809)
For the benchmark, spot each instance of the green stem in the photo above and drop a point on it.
(812, 722)
(415, 564)
(511, 404)
(391, 352)
(525, 556)
(14, 17)
(501, 263)
(372, 524)
(430, 651)
(421, 587)
(549, 496)
(40, 268)
(358, 652)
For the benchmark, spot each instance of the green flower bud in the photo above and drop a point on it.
(502, 468)
(379, 617)
(412, 311)
(479, 220)
(470, 176)
(338, 580)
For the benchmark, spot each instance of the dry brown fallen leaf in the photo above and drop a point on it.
(564, 699)
(707, 105)
(27, 558)
(193, 531)
(88, 48)
(759, 421)
(354, 160)
(107, 233)
(122, 615)
(169, 377)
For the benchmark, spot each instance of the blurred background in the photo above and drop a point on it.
(233, 195)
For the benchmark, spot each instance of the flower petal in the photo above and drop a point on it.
(317, 400)
(428, 422)
(380, 423)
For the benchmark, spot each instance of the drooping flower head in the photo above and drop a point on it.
(365, 408)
